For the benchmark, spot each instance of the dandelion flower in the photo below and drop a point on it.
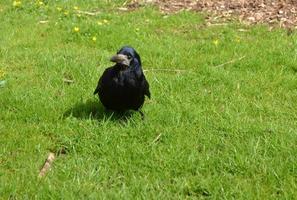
(66, 13)
(76, 29)
(215, 42)
(40, 3)
(99, 23)
(94, 38)
(75, 8)
(78, 15)
(2, 73)
(59, 9)
(16, 3)
(105, 21)
(137, 29)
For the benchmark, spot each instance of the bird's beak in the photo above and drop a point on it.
(121, 59)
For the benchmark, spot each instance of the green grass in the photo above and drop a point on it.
(226, 132)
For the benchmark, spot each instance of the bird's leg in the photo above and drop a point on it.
(142, 114)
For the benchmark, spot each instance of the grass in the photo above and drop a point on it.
(225, 132)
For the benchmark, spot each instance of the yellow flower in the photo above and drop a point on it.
(2, 73)
(137, 29)
(237, 39)
(78, 15)
(16, 3)
(99, 23)
(40, 3)
(75, 8)
(76, 29)
(215, 42)
(105, 21)
(59, 9)
(94, 38)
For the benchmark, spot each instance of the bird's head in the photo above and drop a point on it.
(126, 56)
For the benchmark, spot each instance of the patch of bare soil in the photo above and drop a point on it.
(282, 13)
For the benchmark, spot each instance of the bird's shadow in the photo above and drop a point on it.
(92, 109)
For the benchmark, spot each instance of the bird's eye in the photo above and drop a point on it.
(129, 56)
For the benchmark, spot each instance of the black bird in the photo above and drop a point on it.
(123, 86)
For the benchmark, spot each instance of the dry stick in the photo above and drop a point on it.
(231, 61)
(157, 138)
(182, 70)
(43, 21)
(47, 164)
(88, 13)
(165, 70)
(123, 9)
(222, 24)
(68, 80)
(242, 30)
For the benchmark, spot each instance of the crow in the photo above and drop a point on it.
(123, 86)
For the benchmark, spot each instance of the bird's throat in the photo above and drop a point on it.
(122, 67)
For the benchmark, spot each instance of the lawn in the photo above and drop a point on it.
(221, 123)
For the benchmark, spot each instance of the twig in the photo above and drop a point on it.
(68, 80)
(47, 164)
(123, 9)
(213, 24)
(242, 30)
(157, 138)
(165, 70)
(231, 61)
(43, 21)
(88, 13)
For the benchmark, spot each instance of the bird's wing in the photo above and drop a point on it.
(98, 86)
(99, 83)
(144, 84)
(146, 88)
(107, 74)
